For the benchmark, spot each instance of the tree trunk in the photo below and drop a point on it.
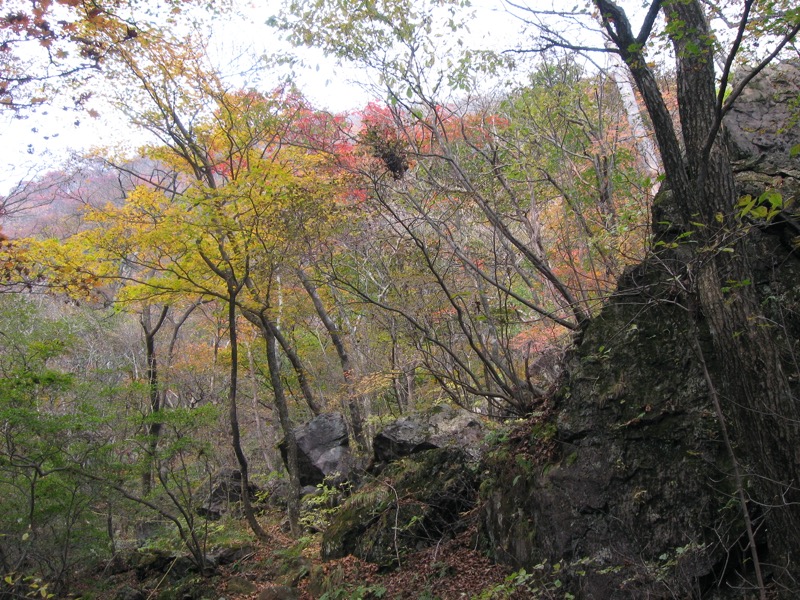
(760, 404)
(354, 399)
(293, 502)
(297, 365)
(233, 417)
(757, 398)
(154, 393)
(268, 330)
(263, 442)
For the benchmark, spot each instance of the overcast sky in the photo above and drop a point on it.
(40, 140)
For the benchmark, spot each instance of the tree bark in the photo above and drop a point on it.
(263, 442)
(757, 398)
(233, 416)
(761, 406)
(293, 502)
(154, 427)
(268, 329)
(354, 399)
(297, 365)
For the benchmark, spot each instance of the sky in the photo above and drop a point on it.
(41, 140)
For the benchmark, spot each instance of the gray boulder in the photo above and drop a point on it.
(442, 427)
(323, 450)
(225, 489)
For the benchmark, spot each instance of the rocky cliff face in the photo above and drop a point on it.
(635, 497)
(762, 125)
(636, 489)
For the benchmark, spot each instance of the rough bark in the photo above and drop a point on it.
(760, 404)
(757, 399)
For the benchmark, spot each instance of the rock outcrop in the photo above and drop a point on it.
(443, 426)
(415, 503)
(622, 486)
(423, 479)
(762, 124)
(636, 484)
(225, 490)
(323, 450)
(634, 496)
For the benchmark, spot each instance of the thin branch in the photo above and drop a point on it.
(554, 43)
(723, 86)
(649, 22)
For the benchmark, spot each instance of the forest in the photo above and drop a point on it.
(457, 245)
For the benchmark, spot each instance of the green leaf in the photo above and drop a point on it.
(774, 199)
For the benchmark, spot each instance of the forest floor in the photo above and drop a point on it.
(454, 570)
(286, 568)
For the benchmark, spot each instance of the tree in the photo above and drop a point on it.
(714, 268)
(43, 430)
(50, 46)
(757, 400)
(155, 389)
(249, 187)
(46, 43)
(69, 432)
(483, 201)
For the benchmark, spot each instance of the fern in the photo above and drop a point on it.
(366, 498)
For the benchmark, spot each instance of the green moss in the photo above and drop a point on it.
(496, 438)
(524, 464)
(487, 486)
(415, 501)
(499, 456)
(543, 432)
(548, 467)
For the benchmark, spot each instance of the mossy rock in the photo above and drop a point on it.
(415, 503)
(639, 468)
